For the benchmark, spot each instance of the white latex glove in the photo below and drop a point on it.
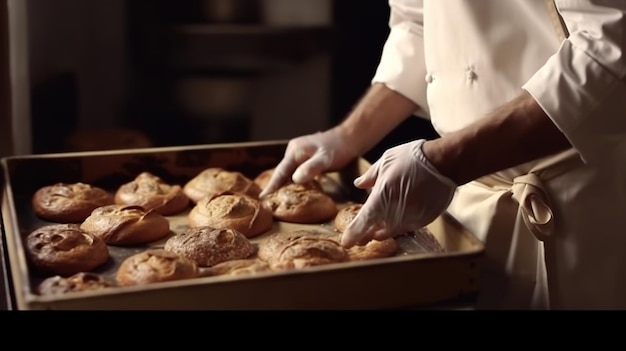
(310, 155)
(408, 193)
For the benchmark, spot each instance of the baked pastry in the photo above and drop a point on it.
(126, 225)
(373, 249)
(270, 247)
(65, 249)
(208, 246)
(308, 251)
(234, 211)
(69, 202)
(296, 203)
(244, 266)
(152, 193)
(345, 215)
(82, 281)
(215, 180)
(153, 266)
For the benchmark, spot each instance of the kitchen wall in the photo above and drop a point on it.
(80, 71)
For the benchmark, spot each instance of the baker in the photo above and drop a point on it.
(529, 100)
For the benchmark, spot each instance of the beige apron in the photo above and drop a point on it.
(513, 216)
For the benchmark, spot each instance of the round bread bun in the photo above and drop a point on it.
(82, 281)
(65, 249)
(270, 247)
(153, 266)
(345, 215)
(215, 180)
(296, 203)
(264, 177)
(69, 202)
(152, 193)
(234, 211)
(244, 266)
(308, 251)
(122, 225)
(208, 246)
(373, 249)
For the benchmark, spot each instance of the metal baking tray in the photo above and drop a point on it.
(415, 277)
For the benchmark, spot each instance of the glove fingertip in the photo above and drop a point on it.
(355, 232)
(357, 181)
(347, 241)
(300, 176)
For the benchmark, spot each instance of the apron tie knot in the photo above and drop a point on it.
(529, 192)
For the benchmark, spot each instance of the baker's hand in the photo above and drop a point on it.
(308, 156)
(407, 194)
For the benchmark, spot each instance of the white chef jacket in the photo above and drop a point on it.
(555, 227)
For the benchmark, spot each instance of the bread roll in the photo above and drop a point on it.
(308, 251)
(215, 180)
(297, 203)
(83, 281)
(126, 225)
(345, 216)
(153, 266)
(246, 266)
(234, 211)
(208, 246)
(69, 202)
(65, 249)
(272, 245)
(373, 249)
(152, 193)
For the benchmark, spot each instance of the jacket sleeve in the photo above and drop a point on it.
(401, 67)
(582, 86)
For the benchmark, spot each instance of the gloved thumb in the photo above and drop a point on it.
(367, 179)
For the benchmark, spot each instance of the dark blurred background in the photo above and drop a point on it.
(133, 73)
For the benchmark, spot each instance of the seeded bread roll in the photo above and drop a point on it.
(122, 225)
(153, 266)
(69, 202)
(208, 246)
(234, 211)
(308, 251)
(215, 180)
(65, 249)
(345, 216)
(83, 281)
(152, 193)
(297, 203)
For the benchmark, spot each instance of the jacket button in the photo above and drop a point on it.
(470, 74)
(429, 78)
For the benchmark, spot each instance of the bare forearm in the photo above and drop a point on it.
(516, 133)
(375, 115)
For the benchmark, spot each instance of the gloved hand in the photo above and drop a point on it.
(308, 156)
(408, 193)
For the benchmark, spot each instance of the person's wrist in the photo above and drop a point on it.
(436, 157)
(352, 145)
